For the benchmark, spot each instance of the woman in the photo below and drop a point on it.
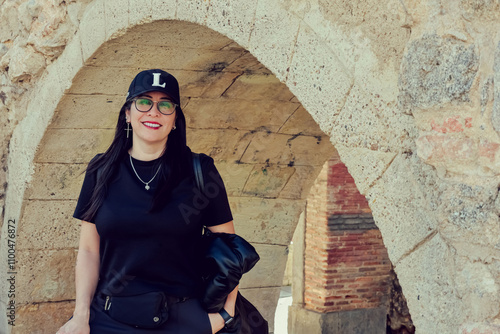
(142, 217)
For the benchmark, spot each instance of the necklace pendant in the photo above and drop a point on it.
(147, 187)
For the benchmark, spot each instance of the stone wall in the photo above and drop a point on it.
(407, 92)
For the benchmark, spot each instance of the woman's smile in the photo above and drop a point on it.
(152, 125)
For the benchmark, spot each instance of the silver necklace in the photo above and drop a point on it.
(147, 187)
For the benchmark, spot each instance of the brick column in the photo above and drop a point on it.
(346, 267)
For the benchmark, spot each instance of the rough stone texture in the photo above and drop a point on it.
(56, 181)
(437, 289)
(422, 131)
(357, 321)
(54, 229)
(411, 218)
(264, 220)
(495, 116)
(366, 166)
(42, 270)
(479, 328)
(437, 70)
(269, 270)
(385, 128)
(79, 146)
(219, 113)
(45, 317)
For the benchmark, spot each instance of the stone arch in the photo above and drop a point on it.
(266, 146)
(331, 62)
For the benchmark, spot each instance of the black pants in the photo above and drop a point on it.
(187, 317)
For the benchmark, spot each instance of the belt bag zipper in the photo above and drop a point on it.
(107, 305)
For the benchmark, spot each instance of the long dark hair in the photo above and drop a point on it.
(175, 163)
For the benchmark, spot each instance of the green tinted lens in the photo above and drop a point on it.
(166, 106)
(143, 104)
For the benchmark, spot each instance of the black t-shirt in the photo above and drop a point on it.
(142, 251)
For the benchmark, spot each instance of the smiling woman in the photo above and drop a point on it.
(151, 125)
(139, 266)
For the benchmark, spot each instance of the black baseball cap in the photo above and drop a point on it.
(154, 80)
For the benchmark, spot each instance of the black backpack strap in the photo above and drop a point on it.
(198, 173)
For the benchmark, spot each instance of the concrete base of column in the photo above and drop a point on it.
(364, 321)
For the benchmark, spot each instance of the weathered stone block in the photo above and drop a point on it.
(93, 28)
(42, 318)
(70, 61)
(207, 84)
(495, 116)
(234, 175)
(364, 165)
(267, 181)
(482, 12)
(170, 33)
(11, 26)
(479, 328)
(289, 150)
(214, 84)
(226, 145)
(300, 182)
(327, 88)
(276, 30)
(117, 12)
(232, 18)
(56, 181)
(269, 270)
(258, 87)
(459, 154)
(95, 80)
(372, 320)
(45, 275)
(371, 123)
(25, 63)
(301, 122)
(478, 290)
(73, 145)
(193, 11)
(263, 220)
(87, 111)
(164, 9)
(437, 70)
(401, 194)
(430, 289)
(127, 55)
(249, 64)
(240, 114)
(48, 225)
(141, 11)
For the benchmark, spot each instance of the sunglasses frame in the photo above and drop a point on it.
(154, 102)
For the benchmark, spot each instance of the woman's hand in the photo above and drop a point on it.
(76, 326)
(216, 321)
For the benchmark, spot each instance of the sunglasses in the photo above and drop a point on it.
(144, 105)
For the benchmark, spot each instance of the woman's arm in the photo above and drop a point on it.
(86, 277)
(229, 306)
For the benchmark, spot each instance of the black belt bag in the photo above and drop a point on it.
(148, 310)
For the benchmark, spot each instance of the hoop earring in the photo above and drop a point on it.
(128, 129)
(173, 128)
